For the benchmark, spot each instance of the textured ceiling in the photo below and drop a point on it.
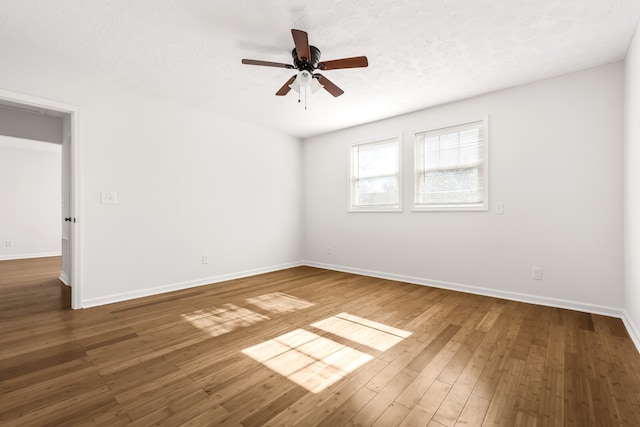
(421, 52)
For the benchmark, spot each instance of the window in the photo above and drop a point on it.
(451, 168)
(375, 176)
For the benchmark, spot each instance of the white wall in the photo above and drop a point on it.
(30, 217)
(632, 186)
(556, 164)
(189, 183)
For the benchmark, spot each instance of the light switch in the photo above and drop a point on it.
(108, 197)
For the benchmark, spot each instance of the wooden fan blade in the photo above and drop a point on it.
(336, 64)
(285, 89)
(301, 40)
(266, 63)
(329, 86)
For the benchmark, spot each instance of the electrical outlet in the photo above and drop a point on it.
(8, 243)
(499, 208)
(329, 250)
(205, 259)
(108, 198)
(537, 273)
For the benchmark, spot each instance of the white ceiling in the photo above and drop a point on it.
(421, 52)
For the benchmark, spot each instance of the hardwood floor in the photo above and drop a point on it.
(306, 347)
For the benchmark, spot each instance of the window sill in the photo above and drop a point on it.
(374, 209)
(451, 208)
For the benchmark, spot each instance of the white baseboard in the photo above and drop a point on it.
(27, 256)
(632, 328)
(110, 299)
(64, 278)
(514, 296)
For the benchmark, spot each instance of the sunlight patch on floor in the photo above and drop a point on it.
(307, 359)
(316, 362)
(218, 321)
(363, 331)
(278, 302)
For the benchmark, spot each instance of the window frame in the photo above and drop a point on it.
(417, 169)
(351, 193)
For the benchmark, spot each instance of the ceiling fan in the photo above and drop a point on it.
(306, 59)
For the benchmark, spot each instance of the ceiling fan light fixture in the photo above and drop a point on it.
(315, 85)
(304, 79)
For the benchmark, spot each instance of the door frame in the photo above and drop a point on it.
(75, 279)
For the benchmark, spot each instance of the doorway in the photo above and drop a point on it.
(70, 234)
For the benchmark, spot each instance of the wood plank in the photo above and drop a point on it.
(354, 404)
(473, 412)
(503, 401)
(383, 399)
(551, 406)
(423, 381)
(427, 406)
(392, 416)
(421, 360)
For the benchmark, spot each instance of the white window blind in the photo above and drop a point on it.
(375, 175)
(450, 168)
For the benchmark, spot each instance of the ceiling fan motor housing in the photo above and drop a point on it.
(309, 65)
